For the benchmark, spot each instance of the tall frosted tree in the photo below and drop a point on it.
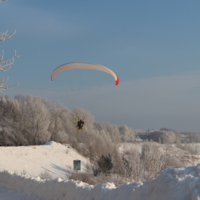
(59, 124)
(36, 118)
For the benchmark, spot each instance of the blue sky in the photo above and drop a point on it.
(153, 46)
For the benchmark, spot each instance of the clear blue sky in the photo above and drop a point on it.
(153, 46)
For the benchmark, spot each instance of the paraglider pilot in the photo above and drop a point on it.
(80, 124)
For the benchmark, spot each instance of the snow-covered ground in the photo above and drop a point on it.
(180, 183)
(54, 158)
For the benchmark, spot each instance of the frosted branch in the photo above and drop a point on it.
(5, 35)
(5, 64)
(2, 82)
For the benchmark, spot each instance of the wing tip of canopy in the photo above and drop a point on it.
(117, 81)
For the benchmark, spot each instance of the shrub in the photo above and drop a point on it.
(45, 175)
(105, 164)
(163, 136)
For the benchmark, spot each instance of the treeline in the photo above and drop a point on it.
(171, 136)
(190, 137)
(30, 120)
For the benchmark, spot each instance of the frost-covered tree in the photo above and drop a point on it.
(10, 137)
(59, 122)
(28, 116)
(37, 119)
(109, 129)
(126, 134)
(6, 63)
(34, 119)
(10, 118)
(163, 136)
(153, 161)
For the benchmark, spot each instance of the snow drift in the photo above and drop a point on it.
(180, 183)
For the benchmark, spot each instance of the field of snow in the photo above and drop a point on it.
(54, 158)
(174, 183)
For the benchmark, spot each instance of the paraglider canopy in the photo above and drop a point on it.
(80, 65)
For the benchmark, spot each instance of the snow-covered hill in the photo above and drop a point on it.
(180, 183)
(54, 158)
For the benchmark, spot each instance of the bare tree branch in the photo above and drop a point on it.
(5, 64)
(2, 82)
(5, 35)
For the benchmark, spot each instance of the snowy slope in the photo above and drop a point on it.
(174, 183)
(55, 158)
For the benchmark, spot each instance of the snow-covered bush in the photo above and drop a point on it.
(152, 160)
(45, 175)
(126, 134)
(165, 136)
